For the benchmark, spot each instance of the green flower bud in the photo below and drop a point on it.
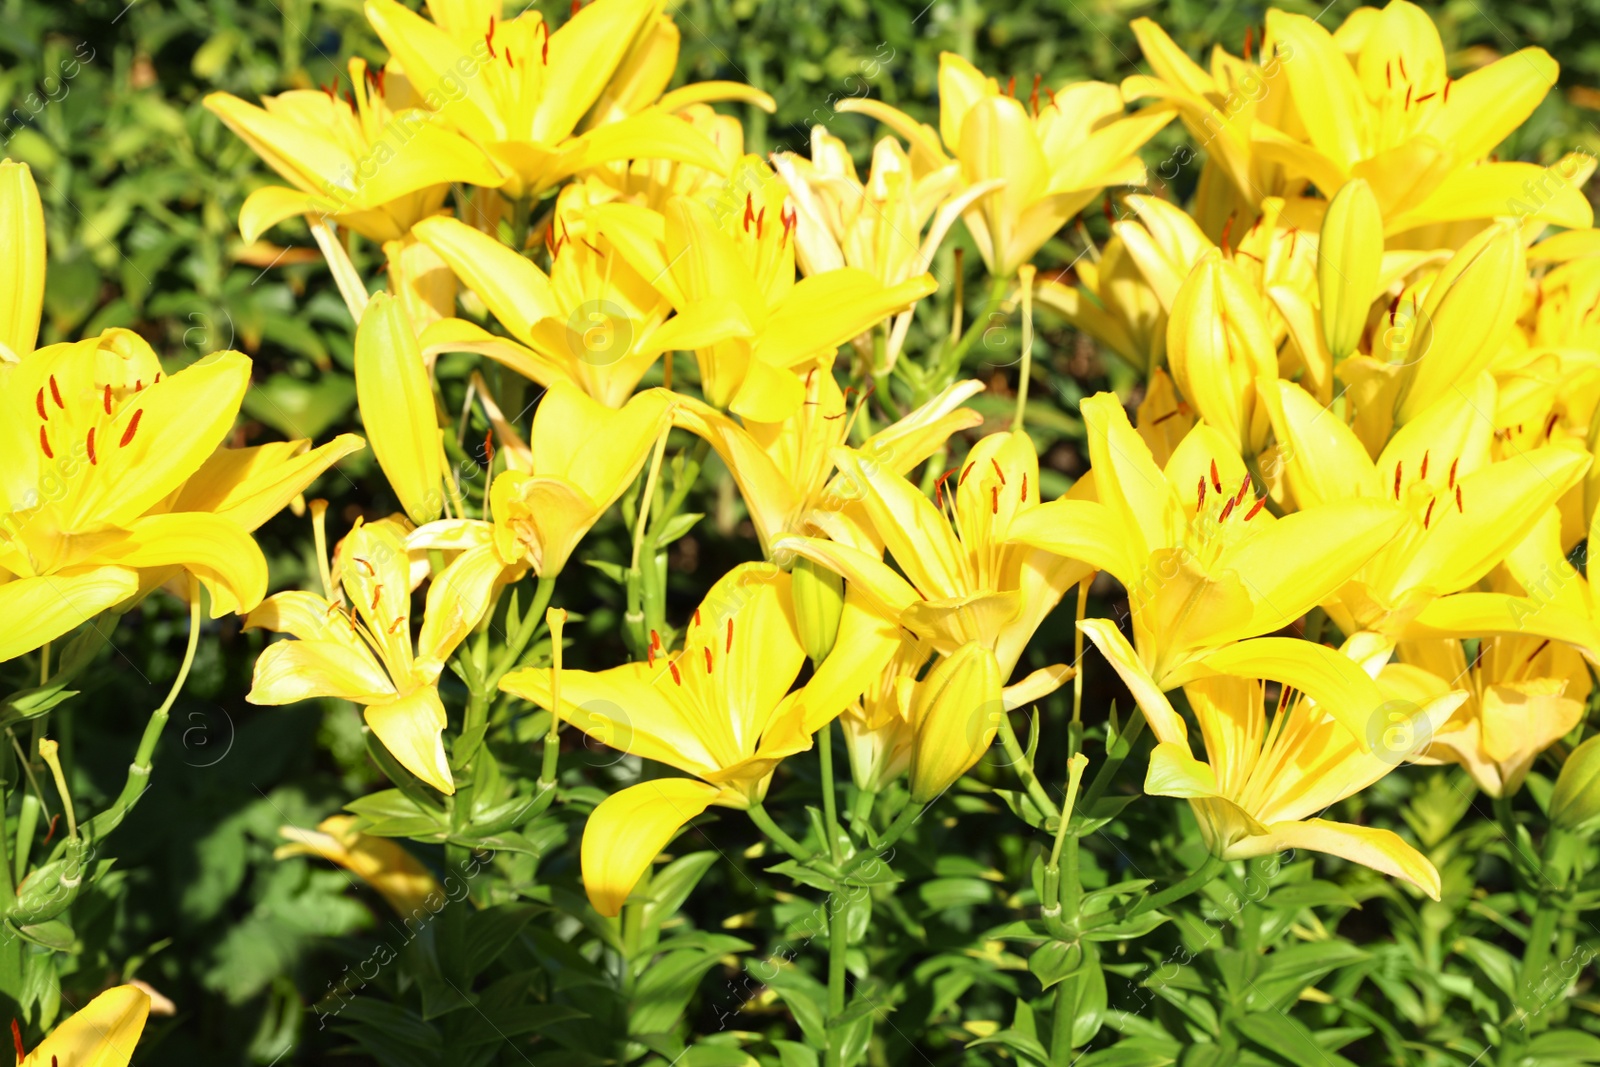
(818, 603)
(51, 889)
(1349, 258)
(1576, 798)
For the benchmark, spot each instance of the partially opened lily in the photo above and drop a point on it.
(719, 709)
(22, 264)
(519, 90)
(381, 862)
(103, 1033)
(1463, 511)
(1055, 155)
(589, 321)
(965, 579)
(395, 393)
(363, 651)
(582, 457)
(1524, 694)
(374, 160)
(1378, 102)
(1114, 303)
(729, 272)
(1204, 562)
(1266, 777)
(785, 470)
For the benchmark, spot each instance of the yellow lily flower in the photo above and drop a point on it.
(1221, 108)
(583, 456)
(1377, 102)
(94, 441)
(729, 272)
(102, 1033)
(379, 861)
(652, 183)
(368, 656)
(1055, 156)
(1114, 304)
(22, 265)
(519, 90)
(1267, 775)
(1203, 561)
(720, 710)
(395, 394)
(965, 580)
(784, 470)
(877, 226)
(374, 160)
(1523, 695)
(1218, 345)
(589, 321)
(1462, 510)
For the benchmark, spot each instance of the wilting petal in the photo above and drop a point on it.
(628, 830)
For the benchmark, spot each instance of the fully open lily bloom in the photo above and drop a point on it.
(1376, 101)
(381, 862)
(720, 709)
(582, 457)
(519, 90)
(1463, 511)
(1523, 694)
(362, 650)
(965, 581)
(1056, 154)
(874, 226)
(103, 1033)
(589, 321)
(1204, 562)
(1267, 775)
(728, 269)
(94, 440)
(374, 159)
(785, 470)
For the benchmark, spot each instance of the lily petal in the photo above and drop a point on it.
(628, 830)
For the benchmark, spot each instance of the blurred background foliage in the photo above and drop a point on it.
(141, 188)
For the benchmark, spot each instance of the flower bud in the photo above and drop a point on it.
(956, 712)
(1218, 346)
(396, 401)
(1349, 259)
(1465, 319)
(818, 602)
(51, 889)
(1576, 798)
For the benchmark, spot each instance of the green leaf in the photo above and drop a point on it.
(806, 875)
(1314, 894)
(942, 893)
(1021, 1044)
(1286, 1039)
(388, 804)
(675, 528)
(1572, 1046)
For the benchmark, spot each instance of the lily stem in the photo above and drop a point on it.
(1024, 766)
(830, 804)
(776, 834)
(1177, 891)
(980, 324)
(139, 770)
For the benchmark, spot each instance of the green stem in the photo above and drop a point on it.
(897, 829)
(952, 359)
(775, 833)
(139, 770)
(838, 945)
(1203, 874)
(1024, 765)
(830, 805)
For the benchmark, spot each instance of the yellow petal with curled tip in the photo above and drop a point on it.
(102, 1033)
(396, 403)
(290, 671)
(382, 863)
(889, 592)
(917, 535)
(36, 610)
(516, 291)
(1335, 682)
(1382, 850)
(1165, 723)
(22, 260)
(825, 310)
(629, 829)
(1127, 479)
(1077, 529)
(410, 729)
(217, 551)
(457, 601)
(250, 485)
(1174, 772)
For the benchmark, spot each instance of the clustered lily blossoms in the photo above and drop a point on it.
(1359, 456)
